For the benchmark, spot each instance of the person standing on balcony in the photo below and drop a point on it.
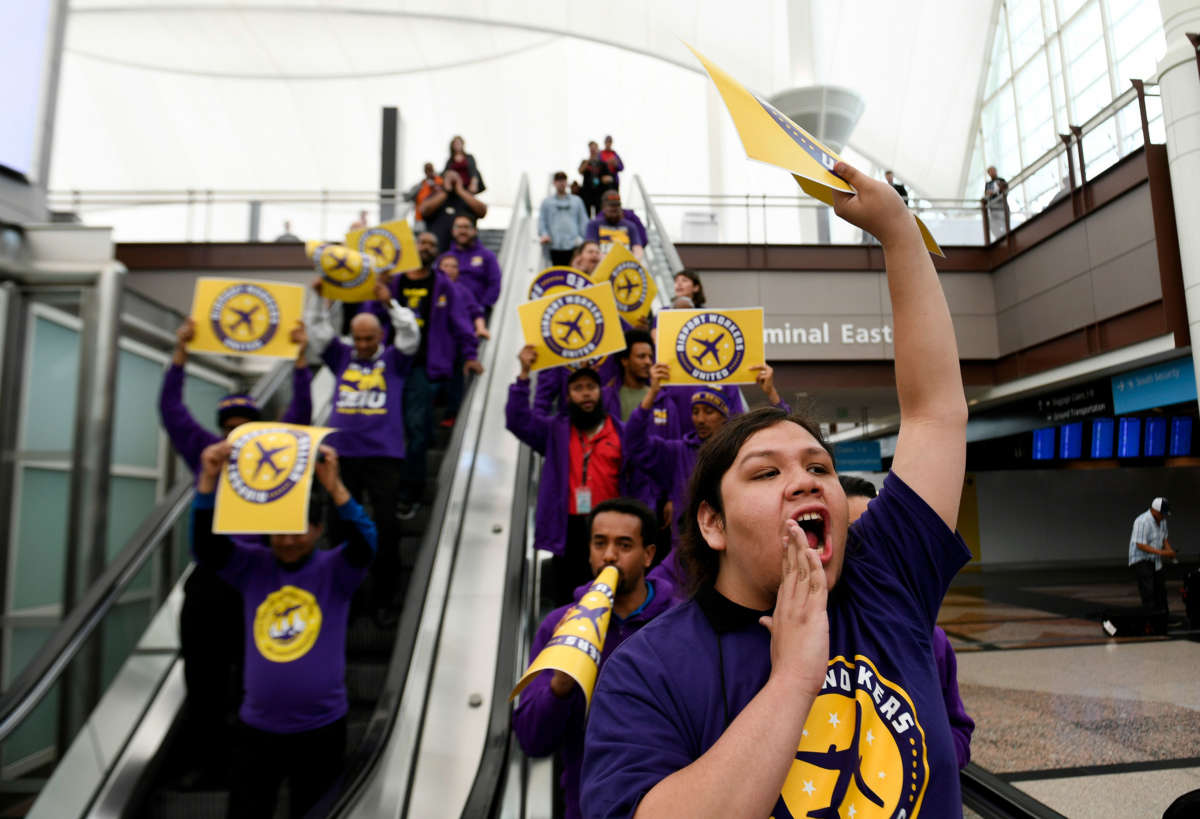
(995, 189)
(562, 220)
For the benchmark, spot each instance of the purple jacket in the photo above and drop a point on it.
(543, 722)
(642, 484)
(961, 725)
(637, 223)
(550, 437)
(478, 271)
(450, 331)
(190, 439)
(474, 310)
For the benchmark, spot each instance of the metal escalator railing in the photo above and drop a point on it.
(993, 798)
(37, 678)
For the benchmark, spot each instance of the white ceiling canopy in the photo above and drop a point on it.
(277, 94)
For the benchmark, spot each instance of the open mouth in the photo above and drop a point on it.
(815, 527)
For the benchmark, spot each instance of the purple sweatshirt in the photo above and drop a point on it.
(478, 271)
(190, 439)
(449, 332)
(624, 231)
(368, 408)
(545, 723)
(961, 725)
(550, 437)
(879, 720)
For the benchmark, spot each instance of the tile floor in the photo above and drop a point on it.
(1090, 726)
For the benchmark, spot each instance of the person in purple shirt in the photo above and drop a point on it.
(478, 270)
(859, 493)
(672, 459)
(210, 622)
(799, 680)
(551, 713)
(368, 416)
(612, 226)
(447, 263)
(296, 606)
(447, 338)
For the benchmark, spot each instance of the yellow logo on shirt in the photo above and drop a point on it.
(862, 753)
(286, 624)
(363, 388)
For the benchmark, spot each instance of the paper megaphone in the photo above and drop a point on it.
(578, 638)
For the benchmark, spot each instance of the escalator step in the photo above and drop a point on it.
(365, 639)
(364, 681)
(172, 804)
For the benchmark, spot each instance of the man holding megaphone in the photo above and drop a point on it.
(550, 717)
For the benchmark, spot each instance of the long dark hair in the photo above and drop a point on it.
(700, 561)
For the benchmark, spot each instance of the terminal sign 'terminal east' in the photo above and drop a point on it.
(845, 333)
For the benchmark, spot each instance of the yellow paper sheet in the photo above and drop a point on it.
(264, 487)
(236, 317)
(633, 287)
(770, 136)
(557, 279)
(346, 274)
(711, 346)
(578, 638)
(572, 327)
(391, 246)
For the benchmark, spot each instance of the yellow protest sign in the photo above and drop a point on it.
(711, 346)
(578, 638)
(390, 245)
(237, 317)
(558, 279)
(572, 327)
(264, 487)
(632, 286)
(346, 274)
(771, 137)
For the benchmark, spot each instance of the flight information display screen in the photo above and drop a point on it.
(1043, 444)
(1156, 437)
(1181, 436)
(1070, 443)
(1129, 438)
(1102, 438)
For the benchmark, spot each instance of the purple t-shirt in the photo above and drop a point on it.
(295, 648)
(368, 405)
(601, 230)
(876, 733)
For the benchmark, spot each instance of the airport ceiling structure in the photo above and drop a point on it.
(270, 94)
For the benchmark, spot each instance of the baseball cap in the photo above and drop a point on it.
(1161, 505)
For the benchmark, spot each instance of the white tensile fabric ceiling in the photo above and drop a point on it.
(162, 94)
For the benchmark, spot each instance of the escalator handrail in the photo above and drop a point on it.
(365, 760)
(993, 798)
(674, 262)
(486, 788)
(36, 679)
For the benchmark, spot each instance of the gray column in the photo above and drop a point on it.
(1179, 84)
(91, 462)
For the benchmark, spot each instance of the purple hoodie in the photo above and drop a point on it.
(190, 439)
(368, 406)
(450, 331)
(550, 437)
(478, 271)
(961, 725)
(545, 723)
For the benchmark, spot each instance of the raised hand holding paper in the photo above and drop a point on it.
(769, 136)
(572, 327)
(264, 487)
(236, 317)
(578, 639)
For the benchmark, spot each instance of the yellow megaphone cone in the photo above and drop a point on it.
(578, 638)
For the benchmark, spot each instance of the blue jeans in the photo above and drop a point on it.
(418, 430)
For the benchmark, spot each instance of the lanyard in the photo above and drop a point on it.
(587, 453)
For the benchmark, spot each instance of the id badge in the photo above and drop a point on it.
(583, 500)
